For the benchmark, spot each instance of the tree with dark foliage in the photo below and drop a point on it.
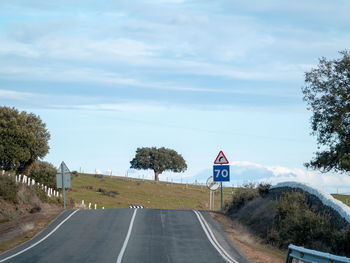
(23, 139)
(327, 93)
(158, 160)
(44, 173)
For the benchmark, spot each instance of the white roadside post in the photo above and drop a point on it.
(95, 206)
(89, 205)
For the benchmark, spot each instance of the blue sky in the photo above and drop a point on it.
(196, 76)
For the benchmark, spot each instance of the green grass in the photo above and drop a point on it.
(161, 195)
(344, 198)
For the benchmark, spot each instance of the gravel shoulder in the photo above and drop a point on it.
(248, 245)
(22, 229)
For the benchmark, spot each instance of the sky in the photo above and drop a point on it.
(195, 76)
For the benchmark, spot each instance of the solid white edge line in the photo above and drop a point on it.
(121, 253)
(213, 236)
(41, 240)
(213, 241)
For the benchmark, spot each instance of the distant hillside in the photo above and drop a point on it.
(121, 192)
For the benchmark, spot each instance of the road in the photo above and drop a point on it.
(128, 235)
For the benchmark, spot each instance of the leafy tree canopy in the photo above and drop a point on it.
(44, 173)
(158, 160)
(327, 93)
(23, 139)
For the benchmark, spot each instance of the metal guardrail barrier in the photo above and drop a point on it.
(300, 254)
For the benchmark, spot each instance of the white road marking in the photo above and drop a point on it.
(41, 240)
(121, 254)
(213, 240)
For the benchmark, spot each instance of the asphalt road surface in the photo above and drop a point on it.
(128, 235)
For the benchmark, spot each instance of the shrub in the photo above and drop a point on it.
(289, 217)
(41, 194)
(35, 209)
(240, 198)
(107, 193)
(89, 187)
(300, 224)
(263, 189)
(341, 241)
(44, 173)
(8, 188)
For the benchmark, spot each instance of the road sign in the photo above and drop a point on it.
(221, 173)
(221, 159)
(64, 172)
(63, 168)
(66, 178)
(63, 180)
(213, 186)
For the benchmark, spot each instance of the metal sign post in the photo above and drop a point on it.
(221, 198)
(221, 172)
(63, 180)
(64, 189)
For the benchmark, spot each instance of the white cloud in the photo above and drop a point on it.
(16, 95)
(12, 47)
(123, 107)
(245, 172)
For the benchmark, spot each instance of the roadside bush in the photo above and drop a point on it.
(107, 193)
(35, 209)
(41, 194)
(263, 189)
(341, 241)
(240, 197)
(298, 223)
(44, 173)
(290, 217)
(8, 188)
(88, 187)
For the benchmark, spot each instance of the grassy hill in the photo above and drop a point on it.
(344, 198)
(120, 192)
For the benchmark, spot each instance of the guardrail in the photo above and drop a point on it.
(299, 254)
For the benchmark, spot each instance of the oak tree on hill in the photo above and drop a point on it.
(23, 139)
(327, 93)
(158, 160)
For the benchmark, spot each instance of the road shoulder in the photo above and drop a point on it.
(39, 224)
(248, 245)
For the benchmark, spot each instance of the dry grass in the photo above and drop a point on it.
(150, 194)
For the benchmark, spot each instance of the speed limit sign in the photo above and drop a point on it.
(221, 173)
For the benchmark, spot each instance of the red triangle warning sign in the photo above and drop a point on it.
(221, 159)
